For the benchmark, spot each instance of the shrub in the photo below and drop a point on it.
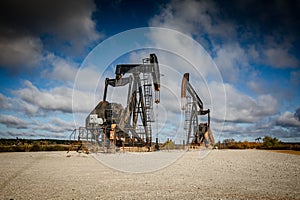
(269, 142)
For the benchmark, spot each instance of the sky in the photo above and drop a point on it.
(243, 57)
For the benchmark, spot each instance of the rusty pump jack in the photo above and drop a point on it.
(192, 105)
(121, 125)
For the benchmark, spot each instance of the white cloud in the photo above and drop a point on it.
(255, 86)
(13, 122)
(231, 59)
(17, 105)
(54, 125)
(70, 74)
(58, 99)
(280, 58)
(183, 54)
(5, 102)
(202, 20)
(287, 119)
(62, 123)
(87, 78)
(194, 18)
(62, 69)
(239, 107)
(26, 108)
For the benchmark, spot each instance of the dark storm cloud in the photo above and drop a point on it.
(27, 28)
(297, 114)
(268, 15)
(272, 25)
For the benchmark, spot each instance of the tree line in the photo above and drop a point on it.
(267, 142)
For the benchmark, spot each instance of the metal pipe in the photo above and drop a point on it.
(105, 89)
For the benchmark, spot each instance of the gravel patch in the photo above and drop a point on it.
(217, 174)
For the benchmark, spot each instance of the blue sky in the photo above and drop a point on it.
(253, 44)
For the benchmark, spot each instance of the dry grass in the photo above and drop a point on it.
(287, 151)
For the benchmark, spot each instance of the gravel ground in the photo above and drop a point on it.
(219, 174)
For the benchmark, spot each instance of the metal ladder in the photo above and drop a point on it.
(148, 99)
(187, 116)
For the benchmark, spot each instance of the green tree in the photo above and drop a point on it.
(269, 142)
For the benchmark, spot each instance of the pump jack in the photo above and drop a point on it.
(193, 107)
(132, 125)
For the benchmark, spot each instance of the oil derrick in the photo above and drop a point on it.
(196, 133)
(129, 126)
